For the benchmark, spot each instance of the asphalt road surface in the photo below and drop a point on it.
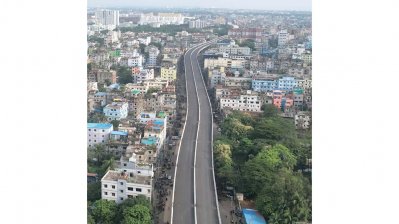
(195, 147)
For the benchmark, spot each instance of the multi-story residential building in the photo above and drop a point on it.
(161, 18)
(92, 86)
(196, 24)
(235, 81)
(248, 102)
(157, 83)
(168, 72)
(142, 88)
(235, 50)
(143, 75)
(287, 83)
(246, 33)
(298, 98)
(216, 77)
(98, 133)
(136, 103)
(153, 102)
(116, 110)
(304, 83)
(104, 75)
(302, 120)
(263, 84)
(156, 128)
(283, 37)
(280, 101)
(224, 62)
(119, 185)
(153, 53)
(100, 98)
(307, 58)
(107, 17)
(135, 61)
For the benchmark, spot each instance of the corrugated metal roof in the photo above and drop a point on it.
(252, 216)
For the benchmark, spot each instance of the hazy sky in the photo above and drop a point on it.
(301, 5)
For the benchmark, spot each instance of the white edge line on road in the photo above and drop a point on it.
(213, 170)
(196, 138)
(181, 139)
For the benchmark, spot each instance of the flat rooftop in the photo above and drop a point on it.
(99, 125)
(112, 175)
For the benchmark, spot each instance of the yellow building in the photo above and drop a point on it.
(168, 73)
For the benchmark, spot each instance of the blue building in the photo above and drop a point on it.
(264, 85)
(287, 83)
(252, 216)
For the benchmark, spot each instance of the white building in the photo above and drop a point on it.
(153, 53)
(118, 186)
(136, 61)
(161, 18)
(143, 75)
(98, 133)
(302, 120)
(116, 111)
(216, 78)
(196, 24)
(224, 62)
(107, 17)
(247, 102)
(305, 83)
(283, 37)
(235, 50)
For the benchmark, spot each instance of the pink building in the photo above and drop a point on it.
(282, 101)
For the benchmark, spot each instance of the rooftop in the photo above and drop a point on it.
(149, 141)
(119, 133)
(99, 125)
(252, 216)
(112, 175)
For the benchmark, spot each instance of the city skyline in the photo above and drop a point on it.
(283, 5)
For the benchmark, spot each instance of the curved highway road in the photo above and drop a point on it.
(194, 194)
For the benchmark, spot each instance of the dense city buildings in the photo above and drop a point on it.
(257, 74)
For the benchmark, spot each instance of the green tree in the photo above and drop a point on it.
(275, 130)
(224, 163)
(285, 199)
(115, 124)
(130, 202)
(90, 219)
(94, 191)
(233, 128)
(104, 211)
(138, 214)
(269, 110)
(97, 118)
(259, 171)
(124, 75)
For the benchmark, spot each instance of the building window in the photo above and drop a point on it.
(89, 129)
(148, 190)
(103, 131)
(95, 129)
(121, 183)
(113, 194)
(130, 189)
(105, 193)
(105, 186)
(121, 191)
(138, 189)
(121, 199)
(124, 164)
(113, 186)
